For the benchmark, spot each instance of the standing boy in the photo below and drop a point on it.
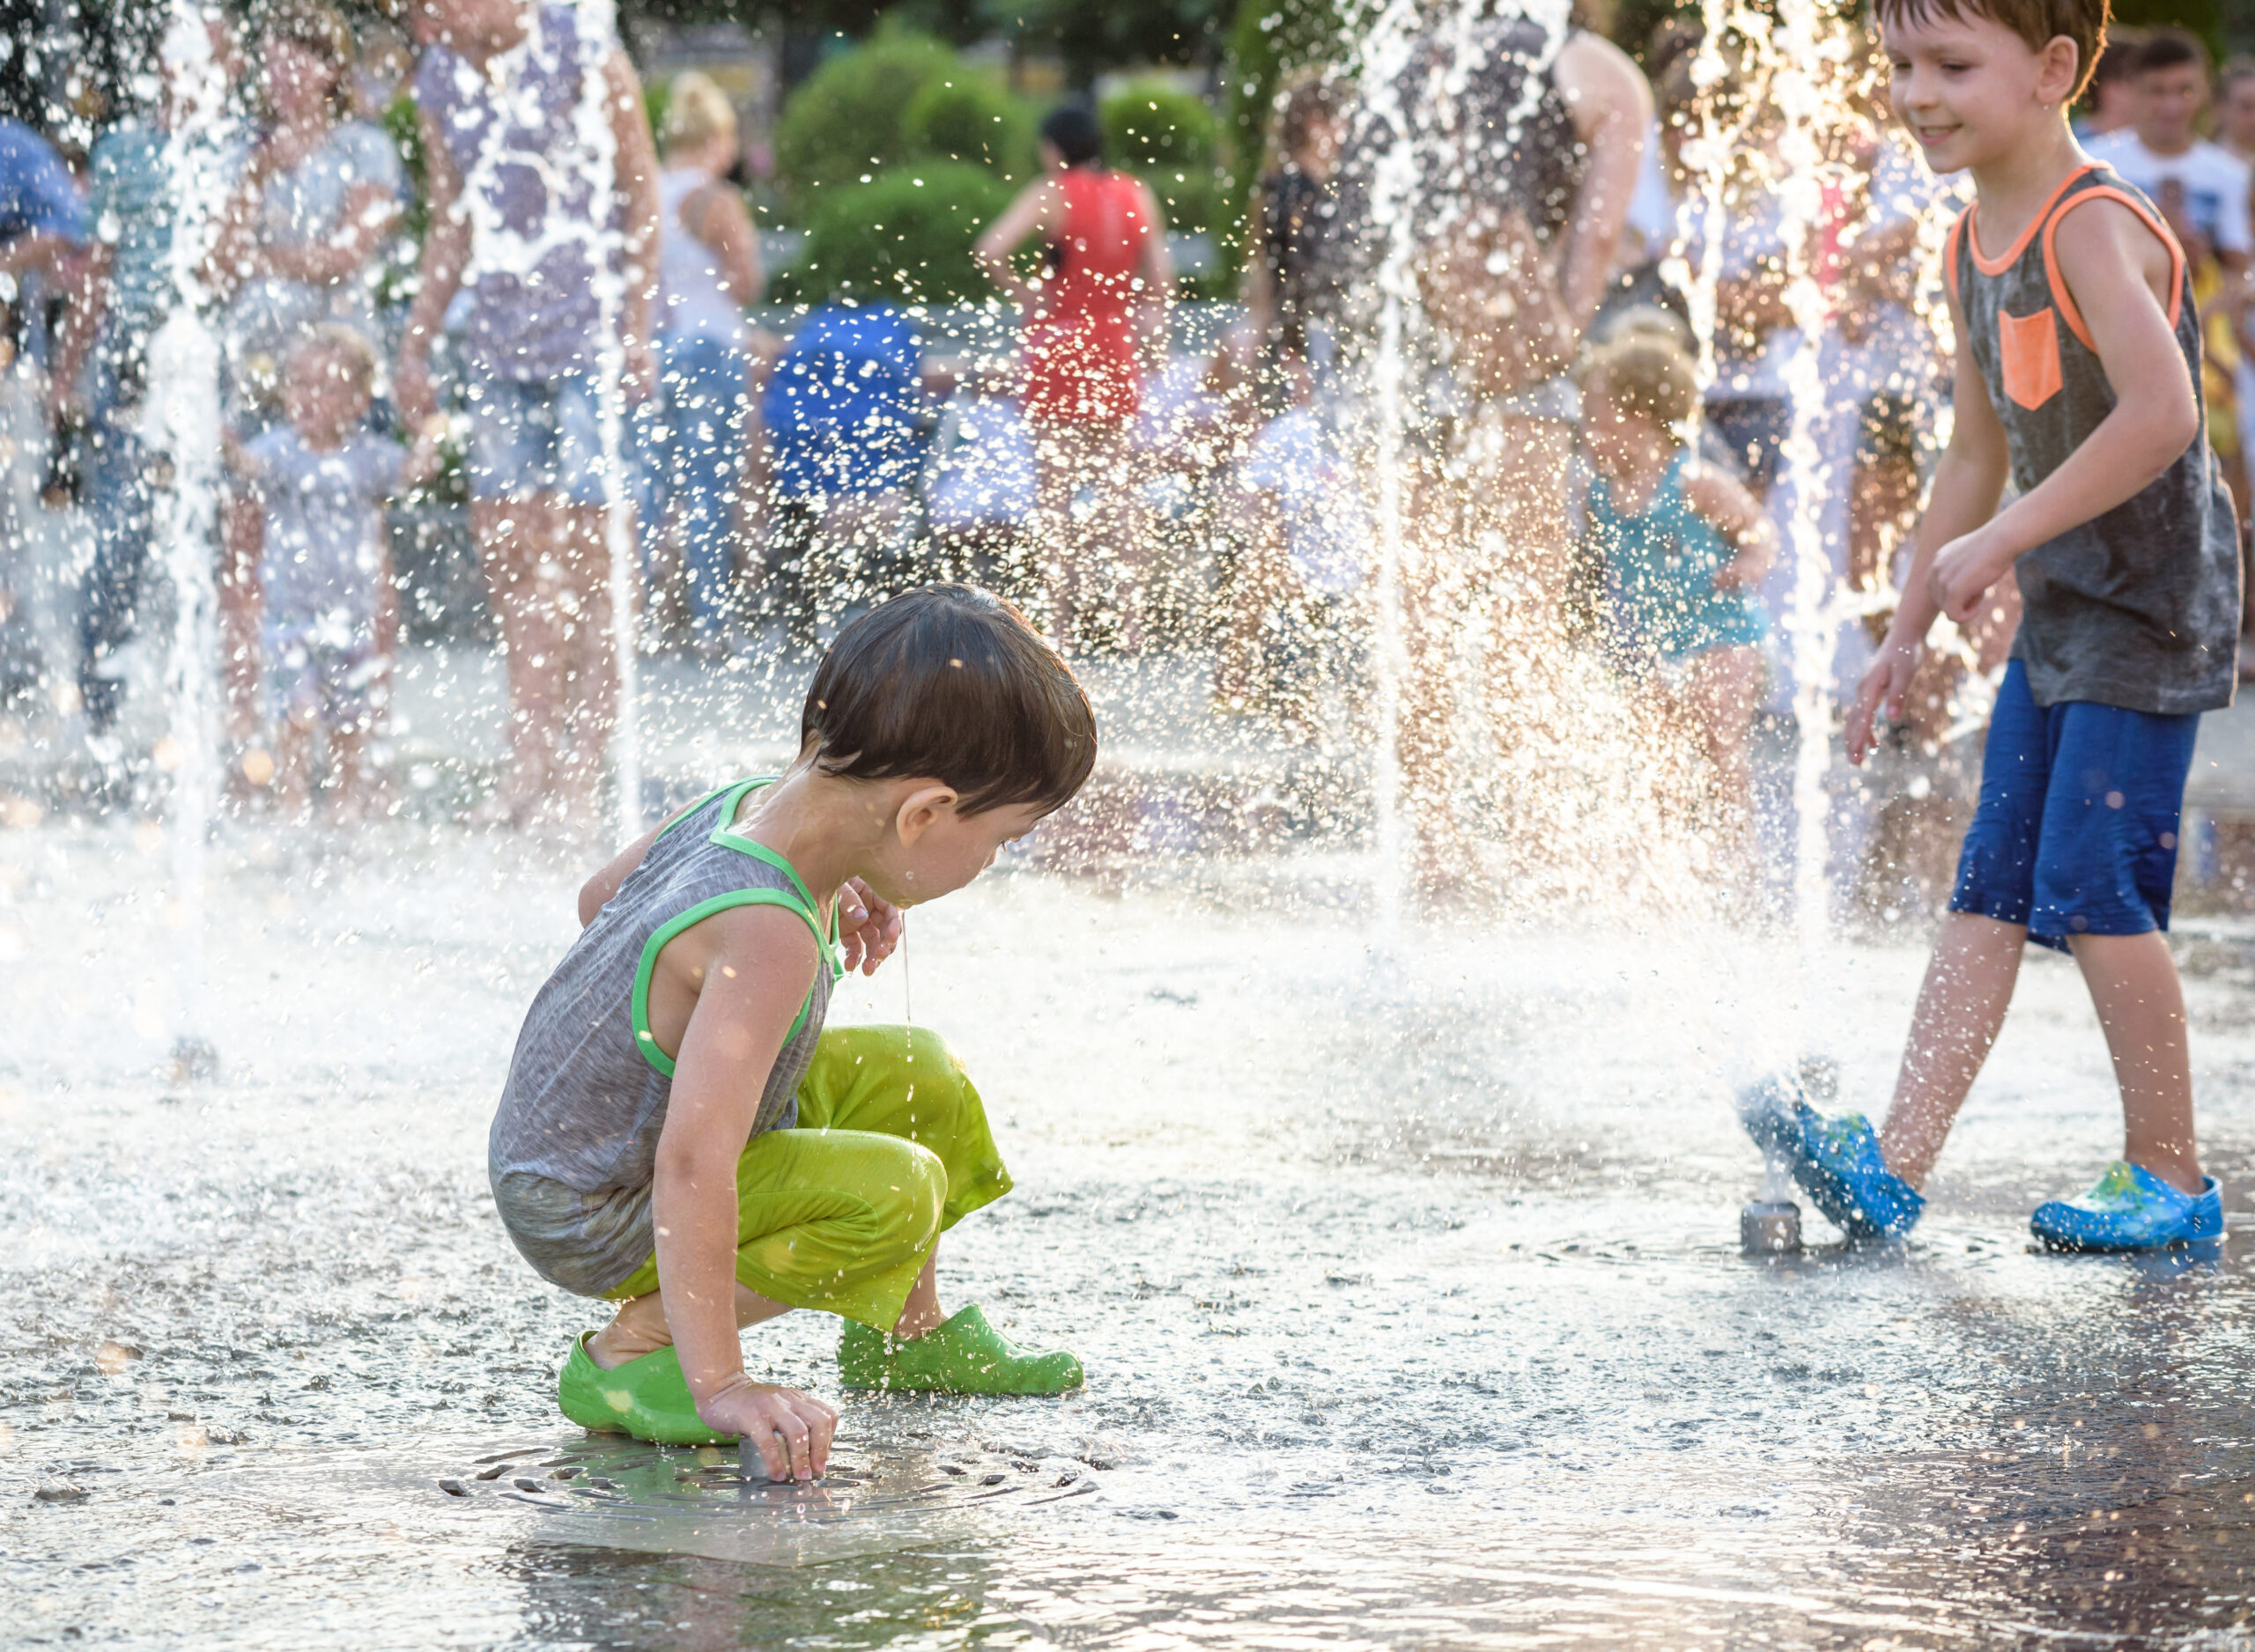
(2077, 374)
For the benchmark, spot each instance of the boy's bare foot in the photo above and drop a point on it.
(639, 1326)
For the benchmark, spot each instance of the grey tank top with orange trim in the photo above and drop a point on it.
(2138, 607)
(575, 1145)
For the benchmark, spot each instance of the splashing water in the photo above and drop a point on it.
(607, 255)
(1575, 800)
(182, 419)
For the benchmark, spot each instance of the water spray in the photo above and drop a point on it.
(613, 263)
(181, 421)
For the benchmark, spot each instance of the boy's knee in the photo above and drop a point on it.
(908, 1200)
(939, 1087)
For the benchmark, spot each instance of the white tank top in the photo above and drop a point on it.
(690, 297)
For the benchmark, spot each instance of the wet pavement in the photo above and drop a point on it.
(1406, 1280)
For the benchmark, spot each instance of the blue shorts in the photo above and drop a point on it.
(2077, 830)
(545, 437)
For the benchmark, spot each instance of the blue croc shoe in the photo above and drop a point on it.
(1836, 1161)
(2130, 1209)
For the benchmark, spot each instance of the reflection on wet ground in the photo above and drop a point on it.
(1407, 1286)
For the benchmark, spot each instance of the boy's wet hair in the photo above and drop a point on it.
(950, 682)
(2037, 22)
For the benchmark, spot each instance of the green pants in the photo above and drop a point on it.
(891, 1150)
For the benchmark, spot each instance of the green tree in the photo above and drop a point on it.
(1268, 41)
(2203, 18)
(1170, 139)
(848, 120)
(1092, 37)
(972, 117)
(905, 235)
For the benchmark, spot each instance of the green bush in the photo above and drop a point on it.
(971, 117)
(848, 119)
(1171, 141)
(904, 235)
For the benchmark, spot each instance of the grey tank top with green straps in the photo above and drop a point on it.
(575, 1145)
(2139, 606)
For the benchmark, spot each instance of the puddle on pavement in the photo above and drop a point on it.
(1411, 1305)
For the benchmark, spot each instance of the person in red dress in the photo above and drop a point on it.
(1095, 313)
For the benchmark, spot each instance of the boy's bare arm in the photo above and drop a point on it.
(2112, 265)
(1969, 480)
(756, 963)
(446, 255)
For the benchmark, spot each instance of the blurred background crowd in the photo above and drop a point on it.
(1058, 303)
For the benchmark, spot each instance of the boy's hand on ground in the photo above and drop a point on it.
(868, 927)
(1964, 569)
(1885, 687)
(791, 1431)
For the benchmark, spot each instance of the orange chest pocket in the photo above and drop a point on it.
(2029, 346)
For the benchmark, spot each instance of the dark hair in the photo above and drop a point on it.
(1303, 99)
(2171, 49)
(1073, 130)
(951, 681)
(2037, 22)
(2120, 60)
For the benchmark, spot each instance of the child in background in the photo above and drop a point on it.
(331, 612)
(2078, 377)
(1683, 546)
(1302, 533)
(680, 1135)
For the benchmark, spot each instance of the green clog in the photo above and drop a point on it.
(966, 1355)
(647, 1398)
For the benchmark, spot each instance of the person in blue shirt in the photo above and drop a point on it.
(42, 220)
(42, 224)
(848, 427)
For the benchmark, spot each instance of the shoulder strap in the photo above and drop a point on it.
(644, 1039)
(739, 787)
(2105, 186)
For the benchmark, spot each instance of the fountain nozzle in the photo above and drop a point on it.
(1769, 1227)
(192, 1059)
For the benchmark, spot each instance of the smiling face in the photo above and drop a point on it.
(935, 849)
(1970, 90)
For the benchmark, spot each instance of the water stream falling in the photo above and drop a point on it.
(182, 420)
(609, 256)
